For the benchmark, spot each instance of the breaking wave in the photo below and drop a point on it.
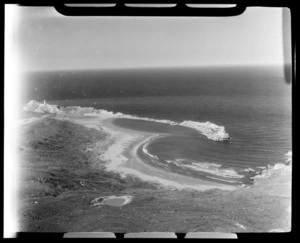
(275, 170)
(208, 129)
(150, 155)
(209, 168)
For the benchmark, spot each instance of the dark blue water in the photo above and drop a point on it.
(253, 103)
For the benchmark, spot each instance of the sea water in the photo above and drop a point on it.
(252, 103)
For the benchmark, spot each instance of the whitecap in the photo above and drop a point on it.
(210, 168)
(146, 152)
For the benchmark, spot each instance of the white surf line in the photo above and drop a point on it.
(210, 130)
(209, 168)
(127, 166)
(124, 165)
(145, 145)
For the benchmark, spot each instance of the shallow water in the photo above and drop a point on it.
(180, 150)
(253, 103)
(117, 202)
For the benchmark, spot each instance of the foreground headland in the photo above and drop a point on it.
(73, 162)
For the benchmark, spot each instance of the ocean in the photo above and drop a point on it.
(253, 103)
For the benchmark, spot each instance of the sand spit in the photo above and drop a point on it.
(121, 146)
(120, 153)
(59, 186)
(121, 156)
(208, 129)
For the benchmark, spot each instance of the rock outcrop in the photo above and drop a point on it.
(34, 106)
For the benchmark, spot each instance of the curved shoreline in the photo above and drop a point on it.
(208, 129)
(120, 152)
(122, 157)
(211, 175)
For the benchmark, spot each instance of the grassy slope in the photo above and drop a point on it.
(60, 178)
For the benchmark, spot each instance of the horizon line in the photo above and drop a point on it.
(156, 67)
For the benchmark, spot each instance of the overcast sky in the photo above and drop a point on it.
(47, 40)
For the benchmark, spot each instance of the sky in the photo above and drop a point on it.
(46, 40)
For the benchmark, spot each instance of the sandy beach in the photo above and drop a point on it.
(79, 172)
(121, 156)
(129, 124)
